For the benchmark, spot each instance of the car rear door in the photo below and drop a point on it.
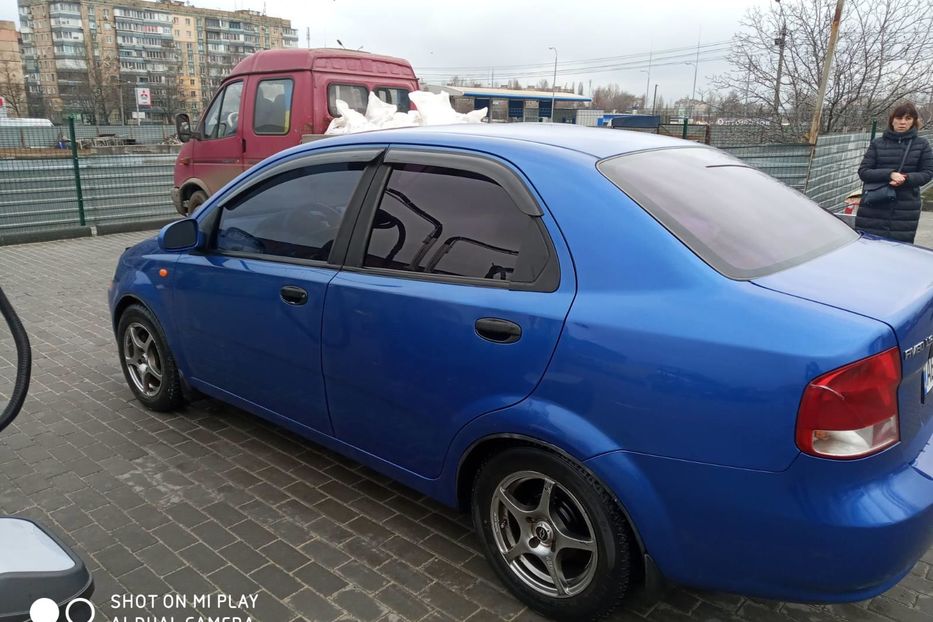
(249, 307)
(449, 306)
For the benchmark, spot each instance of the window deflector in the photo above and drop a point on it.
(312, 159)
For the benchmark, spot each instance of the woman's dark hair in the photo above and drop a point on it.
(906, 109)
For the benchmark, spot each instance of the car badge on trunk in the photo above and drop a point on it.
(920, 347)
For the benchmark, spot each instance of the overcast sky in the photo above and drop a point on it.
(510, 39)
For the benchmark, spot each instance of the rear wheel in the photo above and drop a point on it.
(553, 535)
(148, 365)
(195, 200)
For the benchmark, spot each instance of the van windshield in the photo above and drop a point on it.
(742, 222)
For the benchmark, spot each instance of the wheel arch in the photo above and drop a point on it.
(484, 448)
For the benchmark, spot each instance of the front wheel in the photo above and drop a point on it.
(552, 534)
(197, 198)
(147, 363)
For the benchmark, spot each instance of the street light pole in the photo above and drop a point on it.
(648, 82)
(553, 83)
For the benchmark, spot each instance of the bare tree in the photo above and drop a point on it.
(514, 84)
(13, 86)
(884, 54)
(612, 97)
(543, 85)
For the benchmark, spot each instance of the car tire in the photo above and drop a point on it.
(593, 581)
(147, 362)
(195, 200)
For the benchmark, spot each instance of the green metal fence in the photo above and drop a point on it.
(68, 188)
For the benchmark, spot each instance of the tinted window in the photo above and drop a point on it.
(441, 221)
(399, 97)
(355, 95)
(739, 220)
(296, 214)
(272, 112)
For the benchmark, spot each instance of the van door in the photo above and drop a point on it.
(274, 120)
(218, 156)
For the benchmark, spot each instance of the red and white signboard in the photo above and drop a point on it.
(143, 98)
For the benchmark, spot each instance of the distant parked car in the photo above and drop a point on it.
(847, 211)
(587, 338)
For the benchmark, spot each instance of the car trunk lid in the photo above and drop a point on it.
(889, 282)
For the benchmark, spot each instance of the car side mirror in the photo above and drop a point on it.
(181, 235)
(183, 128)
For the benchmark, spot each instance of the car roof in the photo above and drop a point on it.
(597, 142)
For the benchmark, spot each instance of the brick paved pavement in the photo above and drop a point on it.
(214, 500)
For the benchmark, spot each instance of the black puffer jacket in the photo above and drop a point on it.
(897, 220)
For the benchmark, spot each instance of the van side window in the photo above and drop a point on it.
(272, 110)
(355, 95)
(222, 117)
(391, 95)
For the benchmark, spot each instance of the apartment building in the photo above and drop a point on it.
(87, 58)
(12, 86)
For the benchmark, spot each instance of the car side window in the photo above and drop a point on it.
(356, 96)
(296, 214)
(448, 222)
(222, 117)
(272, 109)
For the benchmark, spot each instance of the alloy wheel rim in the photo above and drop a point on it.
(143, 359)
(544, 534)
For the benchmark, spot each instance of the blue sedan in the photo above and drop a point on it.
(627, 356)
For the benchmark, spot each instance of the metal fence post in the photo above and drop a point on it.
(77, 168)
(686, 120)
(874, 128)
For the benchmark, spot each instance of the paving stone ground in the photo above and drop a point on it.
(214, 501)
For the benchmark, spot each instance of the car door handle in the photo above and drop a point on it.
(293, 295)
(498, 330)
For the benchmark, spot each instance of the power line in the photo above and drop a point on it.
(485, 68)
(630, 66)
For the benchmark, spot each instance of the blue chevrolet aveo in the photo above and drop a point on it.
(628, 356)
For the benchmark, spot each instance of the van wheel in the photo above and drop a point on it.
(552, 534)
(195, 200)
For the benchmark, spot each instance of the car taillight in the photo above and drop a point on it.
(851, 412)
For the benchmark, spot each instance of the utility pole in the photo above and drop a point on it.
(553, 83)
(781, 41)
(654, 102)
(648, 84)
(308, 36)
(827, 65)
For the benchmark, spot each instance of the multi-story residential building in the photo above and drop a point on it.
(12, 88)
(87, 58)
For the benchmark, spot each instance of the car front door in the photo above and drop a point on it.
(217, 156)
(249, 306)
(449, 306)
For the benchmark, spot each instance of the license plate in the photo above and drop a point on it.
(928, 376)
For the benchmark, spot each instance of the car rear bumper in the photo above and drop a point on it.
(821, 531)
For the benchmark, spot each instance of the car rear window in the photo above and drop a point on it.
(742, 222)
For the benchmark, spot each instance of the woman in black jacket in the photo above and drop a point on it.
(896, 220)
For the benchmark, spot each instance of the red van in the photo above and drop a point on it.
(273, 100)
